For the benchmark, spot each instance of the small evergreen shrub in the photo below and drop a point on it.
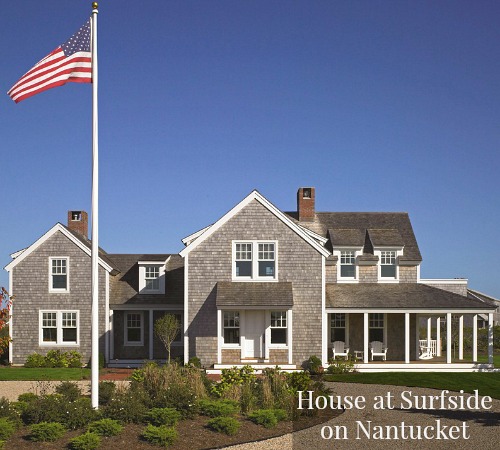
(268, 418)
(162, 435)
(218, 408)
(227, 425)
(7, 429)
(54, 358)
(86, 441)
(127, 405)
(47, 408)
(298, 381)
(313, 365)
(35, 360)
(163, 416)
(105, 427)
(195, 362)
(27, 397)
(47, 431)
(79, 414)
(9, 410)
(340, 365)
(106, 391)
(69, 391)
(74, 359)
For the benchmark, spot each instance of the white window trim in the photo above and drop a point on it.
(346, 328)
(255, 260)
(142, 277)
(55, 290)
(378, 252)
(241, 318)
(270, 344)
(59, 342)
(337, 251)
(126, 342)
(384, 328)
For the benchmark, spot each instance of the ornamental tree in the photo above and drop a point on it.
(4, 320)
(166, 328)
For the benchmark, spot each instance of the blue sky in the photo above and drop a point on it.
(381, 105)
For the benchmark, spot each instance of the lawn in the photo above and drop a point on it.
(485, 383)
(43, 374)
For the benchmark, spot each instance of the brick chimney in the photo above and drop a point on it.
(79, 221)
(306, 204)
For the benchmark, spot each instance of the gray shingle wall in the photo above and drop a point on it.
(31, 289)
(298, 263)
(407, 274)
(368, 274)
(460, 289)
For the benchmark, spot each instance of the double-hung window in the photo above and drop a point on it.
(278, 327)
(134, 331)
(58, 327)
(231, 327)
(348, 264)
(337, 327)
(58, 274)
(376, 327)
(254, 260)
(388, 264)
(152, 278)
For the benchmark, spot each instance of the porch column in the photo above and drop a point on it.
(461, 337)
(220, 337)
(151, 334)
(474, 338)
(111, 337)
(448, 338)
(407, 338)
(429, 331)
(267, 334)
(365, 338)
(290, 337)
(490, 338)
(438, 336)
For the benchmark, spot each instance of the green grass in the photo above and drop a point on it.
(56, 374)
(485, 383)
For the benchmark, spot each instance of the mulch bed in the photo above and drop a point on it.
(193, 434)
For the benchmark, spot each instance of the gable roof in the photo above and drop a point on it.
(76, 238)
(196, 239)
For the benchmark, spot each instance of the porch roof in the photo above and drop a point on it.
(404, 296)
(254, 295)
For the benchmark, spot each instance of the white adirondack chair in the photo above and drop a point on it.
(339, 349)
(377, 349)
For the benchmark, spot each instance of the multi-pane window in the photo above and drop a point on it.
(337, 327)
(133, 328)
(152, 277)
(278, 327)
(388, 264)
(255, 260)
(347, 264)
(266, 260)
(58, 274)
(376, 327)
(231, 327)
(59, 327)
(243, 259)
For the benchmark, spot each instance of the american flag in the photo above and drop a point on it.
(71, 61)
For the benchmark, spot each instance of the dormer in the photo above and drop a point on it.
(347, 247)
(388, 246)
(152, 277)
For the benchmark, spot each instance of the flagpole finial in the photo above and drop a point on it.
(94, 5)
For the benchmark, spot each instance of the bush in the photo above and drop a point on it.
(47, 431)
(298, 381)
(54, 358)
(163, 416)
(195, 362)
(106, 391)
(218, 408)
(227, 425)
(340, 365)
(46, 408)
(35, 360)
(74, 359)
(161, 435)
(127, 405)
(7, 429)
(267, 417)
(79, 414)
(313, 365)
(105, 427)
(69, 391)
(86, 441)
(27, 397)
(8, 410)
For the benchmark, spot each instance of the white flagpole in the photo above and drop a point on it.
(94, 360)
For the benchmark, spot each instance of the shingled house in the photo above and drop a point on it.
(258, 286)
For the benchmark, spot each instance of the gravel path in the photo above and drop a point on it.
(481, 426)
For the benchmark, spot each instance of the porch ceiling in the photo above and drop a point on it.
(251, 295)
(396, 296)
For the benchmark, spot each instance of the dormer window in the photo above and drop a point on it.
(254, 260)
(388, 264)
(151, 277)
(347, 264)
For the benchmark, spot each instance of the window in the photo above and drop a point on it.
(58, 275)
(347, 264)
(59, 327)
(388, 264)
(278, 327)
(254, 260)
(337, 327)
(376, 327)
(152, 277)
(133, 328)
(231, 327)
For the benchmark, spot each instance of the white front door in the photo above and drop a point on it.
(255, 324)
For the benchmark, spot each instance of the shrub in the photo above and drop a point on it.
(163, 416)
(105, 427)
(227, 425)
(231, 378)
(7, 429)
(106, 391)
(69, 391)
(195, 362)
(127, 405)
(27, 397)
(161, 435)
(56, 358)
(9, 410)
(298, 381)
(74, 359)
(340, 365)
(86, 441)
(46, 408)
(79, 414)
(267, 417)
(313, 365)
(35, 360)
(218, 408)
(47, 431)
